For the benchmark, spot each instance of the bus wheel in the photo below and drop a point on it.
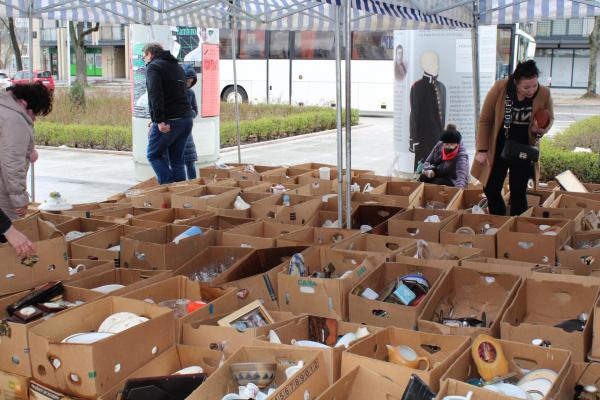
(229, 93)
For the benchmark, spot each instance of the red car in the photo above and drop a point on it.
(45, 77)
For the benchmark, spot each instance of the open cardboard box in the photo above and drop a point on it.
(285, 175)
(14, 348)
(13, 387)
(84, 268)
(226, 205)
(208, 334)
(132, 279)
(380, 313)
(411, 224)
(96, 246)
(261, 170)
(442, 255)
(372, 353)
(469, 293)
(123, 215)
(159, 197)
(300, 329)
(316, 237)
(441, 197)
(222, 223)
(88, 370)
(360, 384)
(23, 273)
(521, 358)
(198, 198)
(500, 265)
(211, 259)
(83, 225)
(540, 197)
(246, 186)
(479, 223)
(53, 218)
(373, 215)
(260, 234)
(472, 196)
(213, 172)
(307, 383)
(544, 300)
(374, 245)
(362, 182)
(86, 210)
(325, 297)
(321, 217)
(574, 214)
(155, 248)
(217, 300)
(583, 261)
(580, 374)
(573, 200)
(594, 354)
(256, 275)
(403, 194)
(524, 241)
(176, 216)
(172, 360)
(299, 212)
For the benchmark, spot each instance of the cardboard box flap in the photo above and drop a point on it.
(362, 383)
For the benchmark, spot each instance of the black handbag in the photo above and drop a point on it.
(514, 152)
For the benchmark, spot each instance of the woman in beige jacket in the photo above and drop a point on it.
(527, 97)
(19, 106)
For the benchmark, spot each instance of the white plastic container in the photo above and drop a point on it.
(325, 173)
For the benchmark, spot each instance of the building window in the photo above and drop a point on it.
(544, 28)
(581, 65)
(575, 27)
(279, 45)
(252, 45)
(559, 27)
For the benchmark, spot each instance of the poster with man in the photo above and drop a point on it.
(433, 87)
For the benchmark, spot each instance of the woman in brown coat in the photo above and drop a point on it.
(527, 97)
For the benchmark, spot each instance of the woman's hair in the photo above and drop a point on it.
(38, 97)
(451, 135)
(526, 69)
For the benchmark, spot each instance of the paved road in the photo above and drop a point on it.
(84, 176)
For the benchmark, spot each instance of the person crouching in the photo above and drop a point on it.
(448, 162)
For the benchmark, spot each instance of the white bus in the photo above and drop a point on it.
(299, 67)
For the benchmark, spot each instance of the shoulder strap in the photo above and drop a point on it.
(507, 114)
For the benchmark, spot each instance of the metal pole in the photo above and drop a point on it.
(30, 53)
(234, 33)
(348, 42)
(475, 58)
(338, 114)
(68, 54)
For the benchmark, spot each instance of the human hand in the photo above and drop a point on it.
(164, 128)
(539, 132)
(33, 156)
(429, 173)
(20, 242)
(21, 211)
(482, 158)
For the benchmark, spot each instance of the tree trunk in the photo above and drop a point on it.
(15, 43)
(78, 34)
(594, 41)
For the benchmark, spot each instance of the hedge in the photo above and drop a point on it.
(555, 160)
(584, 133)
(119, 137)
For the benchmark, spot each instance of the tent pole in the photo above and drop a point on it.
(68, 54)
(475, 60)
(30, 54)
(338, 115)
(234, 33)
(348, 42)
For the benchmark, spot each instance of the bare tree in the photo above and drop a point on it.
(78, 34)
(594, 41)
(14, 41)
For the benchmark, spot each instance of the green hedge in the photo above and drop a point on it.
(555, 160)
(584, 133)
(119, 138)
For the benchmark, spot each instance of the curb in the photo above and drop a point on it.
(96, 151)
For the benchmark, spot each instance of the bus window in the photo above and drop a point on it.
(252, 45)
(373, 45)
(225, 44)
(279, 45)
(315, 45)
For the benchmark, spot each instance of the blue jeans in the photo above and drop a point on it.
(190, 167)
(168, 148)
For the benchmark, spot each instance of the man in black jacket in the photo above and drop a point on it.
(170, 113)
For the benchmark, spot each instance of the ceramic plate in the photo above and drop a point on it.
(114, 319)
(106, 289)
(190, 370)
(86, 338)
(537, 388)
(508, 390)
(544, 373)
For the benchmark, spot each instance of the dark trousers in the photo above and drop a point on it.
(437, 180)
(165, 150)
(190, 168)
(517, 182)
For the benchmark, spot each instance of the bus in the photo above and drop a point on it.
(298, 67)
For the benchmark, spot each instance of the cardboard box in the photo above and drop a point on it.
(540, 198)
(591, 277)
(159, 197)
(373, 215)
(411, 224)
(473, 196)
(88, 370)
(198, 198)
(583, 261)
(85, 210)
(221, 223)
(260, 235)
(479, 223)
(245, 186)
(176, 216)
(497, 265)
(542, 303)
(316, 236)
(207, 334)
(308, 382)
(14, 348)
(132, 279)
(372, 353)
(261, 170)
(225, 205)
(122, 216)
(299, 212)
(524, 241)
(321, 217)
(374, 245)
(579, 374)
(96, 246)
(441, 197)
(13, 387)
(300, 329)
(403, 194)
(362, 383)
(256, 275)
(218, 301)
(574, 214)
(578, 200)
(520, 356)
(214, 172)
(83, 225)
(322, 296)
(155, 248)
(443, 255)
(80, 268)
(213, 258)
(465, 293)
(169, 362)
(285, 175)
(594, 354)
(380, 313)
(20, 273)
(55, 219)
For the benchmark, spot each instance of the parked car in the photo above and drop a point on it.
(45, 77)
(4, 80)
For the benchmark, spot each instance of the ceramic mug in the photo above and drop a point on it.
(405, 355)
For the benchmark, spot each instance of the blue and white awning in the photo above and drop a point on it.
(494, 12)
(367, 15)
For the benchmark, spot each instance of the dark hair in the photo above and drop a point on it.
(526, 69)
(451, 135)
(38, 97)
(153, 48)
